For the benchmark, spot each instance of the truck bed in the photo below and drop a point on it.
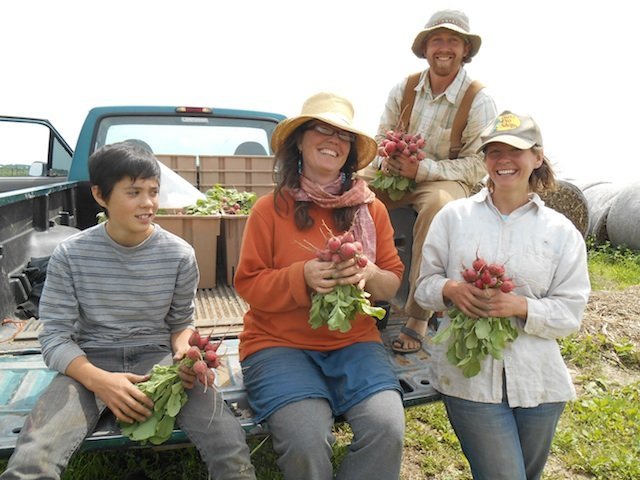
(23, 375)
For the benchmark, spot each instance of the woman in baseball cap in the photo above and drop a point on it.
(505, 408)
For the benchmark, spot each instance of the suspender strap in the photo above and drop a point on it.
(406, 106)
(461, 118)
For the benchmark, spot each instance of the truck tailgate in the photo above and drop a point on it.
(23, 375)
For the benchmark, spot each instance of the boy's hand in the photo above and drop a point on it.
(122, 397)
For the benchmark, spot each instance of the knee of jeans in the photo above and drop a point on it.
(391, 428)
(302, 440)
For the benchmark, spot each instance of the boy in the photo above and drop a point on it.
(119, 298)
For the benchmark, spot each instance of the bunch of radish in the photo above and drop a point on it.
(398, 142)
(338, 308)
(340, 248)
(165, 389)
(488, 275)
(203, 356)
(475, 338)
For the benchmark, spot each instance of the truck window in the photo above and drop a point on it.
(23, 144)
(187, 135)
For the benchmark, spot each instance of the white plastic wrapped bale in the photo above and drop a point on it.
(623, 221)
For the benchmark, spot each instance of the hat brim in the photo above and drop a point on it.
(517, 142)
(366, 145)
(418, 44)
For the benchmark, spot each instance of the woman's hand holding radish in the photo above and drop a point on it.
(319, 275)
(337, 277)
(480, 318)
(467, 297)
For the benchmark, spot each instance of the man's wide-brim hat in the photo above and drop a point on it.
(453, 20)
(334, 110)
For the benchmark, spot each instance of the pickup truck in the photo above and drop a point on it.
(45, 197)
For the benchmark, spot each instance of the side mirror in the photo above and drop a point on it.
(37, 169)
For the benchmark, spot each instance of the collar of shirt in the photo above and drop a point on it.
(451, 93)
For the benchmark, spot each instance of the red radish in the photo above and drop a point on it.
(507, 286)
(200, 367)
(336, 258)
(347, 251)
(362, 261)
(194, 353)
(211, 359)
(496, 270)
(203, 342)
(470, 275)
(358, 246)
(213, 347)
(485, 276)
(347, 237)
(390, 147)
(194, 339)
(333, 244)
(478, 264)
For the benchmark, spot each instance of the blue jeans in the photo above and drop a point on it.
(504, 443)
(67, 412)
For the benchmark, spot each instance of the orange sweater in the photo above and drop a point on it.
(270, 278)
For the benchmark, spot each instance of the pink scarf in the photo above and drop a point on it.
(329, 196)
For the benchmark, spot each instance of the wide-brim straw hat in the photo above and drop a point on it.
(337, 112)
(453, 20)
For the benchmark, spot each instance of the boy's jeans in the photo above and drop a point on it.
(67, 412)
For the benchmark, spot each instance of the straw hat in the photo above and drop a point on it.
(453, 20)
(334, 110)
(519, 131)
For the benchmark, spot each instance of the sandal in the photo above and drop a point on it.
(397, 344)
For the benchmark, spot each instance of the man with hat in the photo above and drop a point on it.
(449, 110)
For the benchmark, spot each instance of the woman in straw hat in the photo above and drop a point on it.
(299, 378)
(505, 410)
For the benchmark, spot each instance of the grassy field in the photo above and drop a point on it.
(598, 436)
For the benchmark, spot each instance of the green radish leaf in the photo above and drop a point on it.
(145, 430)
(472, 340)
(163, 430)
(377, 312)
(471, 369)
(443, 334)
(173, 404)
(483, 328)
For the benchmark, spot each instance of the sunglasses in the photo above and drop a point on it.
(329, 131)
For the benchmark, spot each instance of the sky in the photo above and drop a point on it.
(566, 63)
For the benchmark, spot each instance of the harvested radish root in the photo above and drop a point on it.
(398, 142)
(165, 389)
(475, 338)
(338, 308)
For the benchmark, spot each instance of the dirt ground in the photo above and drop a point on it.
(615, 314)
